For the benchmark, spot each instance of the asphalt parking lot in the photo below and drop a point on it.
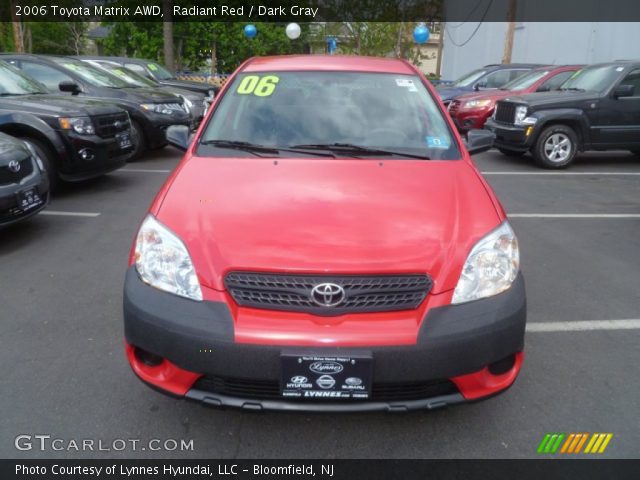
(64, 372)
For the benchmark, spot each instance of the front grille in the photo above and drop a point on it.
(505, 112)
(454, 106)
(270, 390)
(7, 176)
(108, 125)
(361, 293)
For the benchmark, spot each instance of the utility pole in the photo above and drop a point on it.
(440, 46)
(511, 27)
(18, 41)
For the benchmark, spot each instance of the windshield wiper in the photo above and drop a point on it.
(257, 149)
(357, 150)
(573, 89)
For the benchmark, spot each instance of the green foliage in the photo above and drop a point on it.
(63, 38)
(195, 41)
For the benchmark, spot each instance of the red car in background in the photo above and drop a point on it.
(471, 110)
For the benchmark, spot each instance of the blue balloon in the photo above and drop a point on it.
(421, 34)
(250, 31)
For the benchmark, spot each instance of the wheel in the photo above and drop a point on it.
(139, 141)
(556, 147)
(511, 153)
(44, 152)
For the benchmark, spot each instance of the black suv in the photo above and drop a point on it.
(76, 139)
(153, 70)
(151, 111)
(24, 188)
(598, 108)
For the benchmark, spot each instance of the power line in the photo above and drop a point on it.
(468, 16)
(484, 15)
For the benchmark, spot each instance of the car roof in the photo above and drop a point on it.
(346, 63)
(500, 66)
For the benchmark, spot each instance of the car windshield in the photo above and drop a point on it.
(14, 82)
(469, 78)
(596, 79)
(92, 75)
(131, 78)
(337, 113)
(159, 72)
(525, 81)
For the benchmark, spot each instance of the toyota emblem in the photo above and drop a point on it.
(327, 294)
(14, 166)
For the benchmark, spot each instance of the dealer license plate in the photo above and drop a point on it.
(321, 377)
(28, 199)
(124, 140)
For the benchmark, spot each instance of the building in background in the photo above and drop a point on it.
(469, 45)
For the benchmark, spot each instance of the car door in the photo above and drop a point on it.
(619, 117)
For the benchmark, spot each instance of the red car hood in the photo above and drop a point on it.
(494, 95)
(318, 215)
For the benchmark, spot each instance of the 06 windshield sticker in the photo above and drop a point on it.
(258, 86)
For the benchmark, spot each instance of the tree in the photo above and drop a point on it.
(167, 34)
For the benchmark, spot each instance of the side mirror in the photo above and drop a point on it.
(624, 91)
(479, 141)
(179, 136)
(69, 86)
(479, 85)
(543, 88)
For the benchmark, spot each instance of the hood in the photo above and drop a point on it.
(190, 85)
(190, 94)
(348, 216)
(11, 149)
(493, 95)
(556, 97)
(448, 93)
(142, 95)
(57, 105)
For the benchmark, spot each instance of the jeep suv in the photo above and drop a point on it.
(76, 139)
(598, 108)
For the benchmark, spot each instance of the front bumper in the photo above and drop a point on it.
(105, 156)
(10, 211)
(454, 359)
(512, 137)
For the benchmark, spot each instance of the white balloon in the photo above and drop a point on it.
(293, 31)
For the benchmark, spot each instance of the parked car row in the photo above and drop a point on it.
(554, 112)
(66, 120)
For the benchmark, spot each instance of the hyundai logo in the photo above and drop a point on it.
(326, 367)
(14, 166)
(325, 381)
(327, 294)
(298, 379)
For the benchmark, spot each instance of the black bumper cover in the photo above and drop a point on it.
(453, 340)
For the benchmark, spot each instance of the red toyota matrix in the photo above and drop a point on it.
(326, 243)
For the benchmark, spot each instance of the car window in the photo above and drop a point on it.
(555, 81)
(92, 75)
(633, 78)
(469, 78)
(496, 79)
(373, 110)
(50, 77)
(137, 68)
(15, 82)
(597, 78)
(525, 81)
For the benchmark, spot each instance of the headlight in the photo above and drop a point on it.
(187, 104)
(35, 155)
(491, 267)
(81, 125)
(163, 108)
(477, 103)
(521, 113)
(163, 262)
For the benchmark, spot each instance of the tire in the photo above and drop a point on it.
(511, 153)
(139, 141)
(555, 147)
(44, 152)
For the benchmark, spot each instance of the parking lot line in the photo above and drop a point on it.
(58, 213)
(583, 325)
(143, 170)
(561, 173)
(574, 215)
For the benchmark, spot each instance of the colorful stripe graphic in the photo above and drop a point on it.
(574, 442)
